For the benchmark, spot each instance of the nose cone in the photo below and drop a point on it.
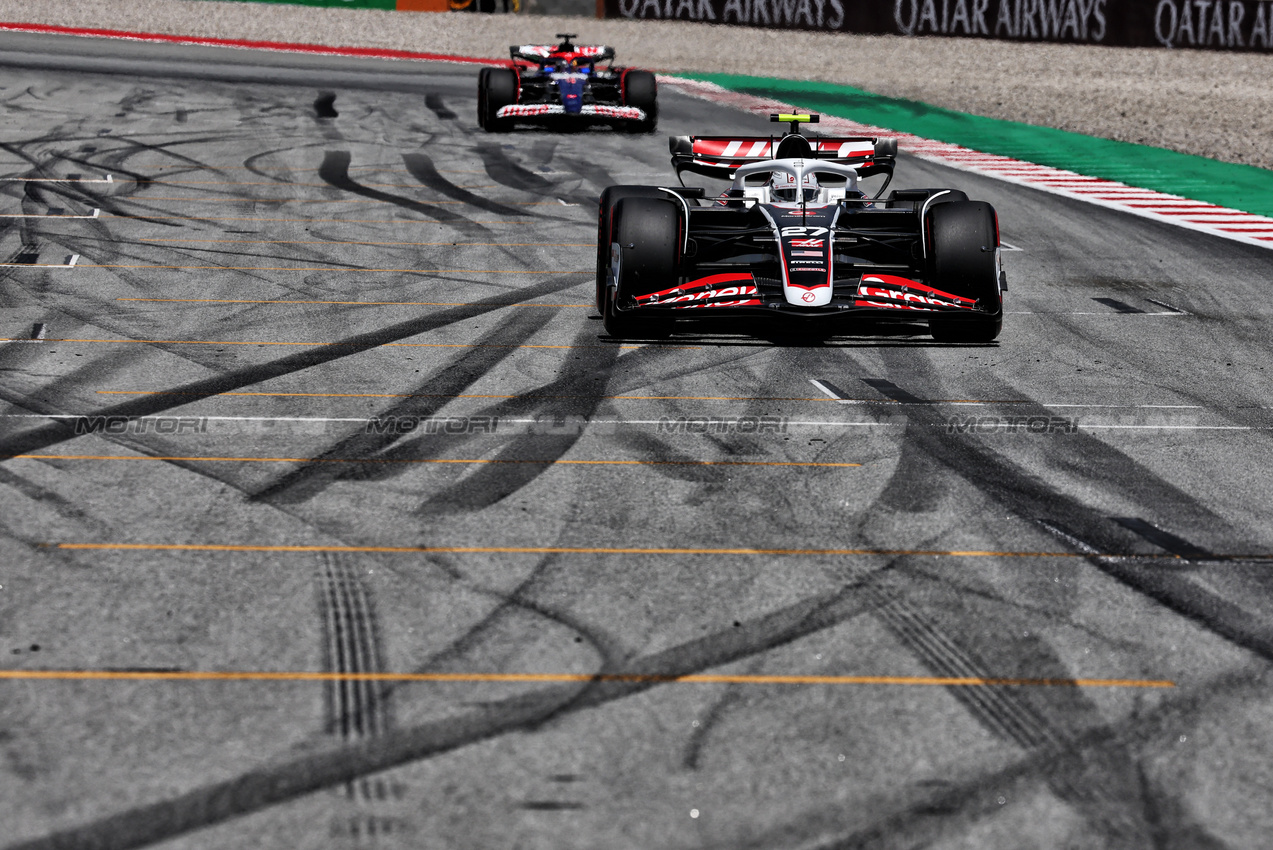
(571, 88)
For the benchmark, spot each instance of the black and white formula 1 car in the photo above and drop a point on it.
(562, 85)
(795, 239)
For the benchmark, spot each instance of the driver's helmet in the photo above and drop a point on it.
(784, 189)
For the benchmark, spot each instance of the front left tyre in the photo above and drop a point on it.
(605, 230)
(648, 234)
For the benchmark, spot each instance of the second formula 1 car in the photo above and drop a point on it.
(793, 239)
(563, 85)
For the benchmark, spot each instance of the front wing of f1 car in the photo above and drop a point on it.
(588, 110)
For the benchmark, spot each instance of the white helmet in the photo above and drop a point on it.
(784, 189)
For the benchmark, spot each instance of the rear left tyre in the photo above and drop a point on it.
(481, 96)
(497, 89)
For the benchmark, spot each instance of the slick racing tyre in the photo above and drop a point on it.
(605, 214)
(481, 96)
(496, 87)
(963, 253)
(641, 91)
(648, 232)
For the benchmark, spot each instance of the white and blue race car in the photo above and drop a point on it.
(563, 85)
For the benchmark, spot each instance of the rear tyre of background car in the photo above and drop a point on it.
(640, 90)
(648, 231)
(605, 215)
(481, 96)
(496, 87)
(963, 259)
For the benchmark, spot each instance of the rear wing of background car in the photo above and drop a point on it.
(720, 156)
(547, 54)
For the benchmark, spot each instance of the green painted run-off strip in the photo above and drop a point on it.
(1240, 187)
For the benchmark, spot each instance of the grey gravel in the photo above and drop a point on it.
(1214, 104)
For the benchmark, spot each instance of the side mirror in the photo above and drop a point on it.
(680, 144)
(886, 147)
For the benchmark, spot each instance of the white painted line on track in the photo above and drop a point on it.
(106, 179)
(685, 425)
(1090, 313)
(69, 264)
(1158, 206)
(825, 389)
(96, 213)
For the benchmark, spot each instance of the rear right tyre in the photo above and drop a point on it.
(481, 96)
(641, 90)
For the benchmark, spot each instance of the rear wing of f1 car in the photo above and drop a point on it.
(720, 156)
(547, 54)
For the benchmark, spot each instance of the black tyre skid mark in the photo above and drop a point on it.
(501, 168)
(114, 161)
(326, 766)
(49, 435)
(354, 709)
(335, 172)
(925, 819)
(608, 648)
(1105, 787)
(494, 482)
(421, 167)
(490, 484)
(438, 107)
(307, 481)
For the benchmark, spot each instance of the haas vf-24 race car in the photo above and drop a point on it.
(562, 85)
(794, 238)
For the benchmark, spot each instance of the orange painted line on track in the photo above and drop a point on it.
(346, 303)
(693, 679)
(332, 269)
(595, 550)
(211, 459)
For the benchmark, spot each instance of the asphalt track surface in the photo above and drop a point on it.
(645, 595)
